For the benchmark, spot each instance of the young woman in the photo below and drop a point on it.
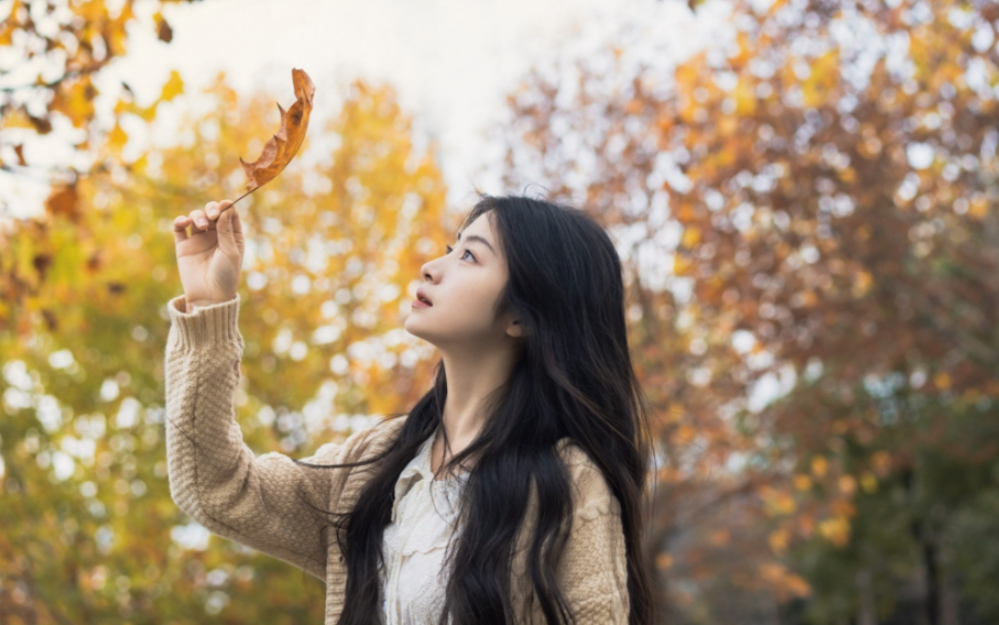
(512, 492)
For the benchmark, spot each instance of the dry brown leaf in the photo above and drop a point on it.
(19, 150)
(163, 30)
(279, 149)
(64, 201)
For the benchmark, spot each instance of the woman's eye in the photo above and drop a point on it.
(466, 253)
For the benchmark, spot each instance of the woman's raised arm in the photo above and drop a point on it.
(270, 502)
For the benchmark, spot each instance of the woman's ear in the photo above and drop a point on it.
(515, 329)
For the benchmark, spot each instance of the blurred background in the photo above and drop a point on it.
(804, 193)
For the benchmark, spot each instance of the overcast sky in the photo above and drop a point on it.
(451, 61)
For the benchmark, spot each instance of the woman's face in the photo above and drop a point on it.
(463, 288)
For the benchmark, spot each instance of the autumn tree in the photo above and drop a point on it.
(808, 207)
(53, 54)
(334, 246)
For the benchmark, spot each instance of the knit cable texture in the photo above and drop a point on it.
(271, 504)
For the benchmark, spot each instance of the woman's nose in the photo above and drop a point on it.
(430, 271)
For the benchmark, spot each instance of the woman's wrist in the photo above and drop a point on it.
(201, 302)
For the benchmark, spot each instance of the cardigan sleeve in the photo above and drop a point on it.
(593, 572)
(268, 503)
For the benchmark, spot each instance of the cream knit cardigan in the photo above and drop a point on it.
(264, 501)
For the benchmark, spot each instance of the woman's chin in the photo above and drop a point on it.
(413, 327)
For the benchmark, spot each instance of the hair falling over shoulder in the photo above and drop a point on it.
(574, 379)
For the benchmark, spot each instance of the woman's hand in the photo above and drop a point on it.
(210, 258)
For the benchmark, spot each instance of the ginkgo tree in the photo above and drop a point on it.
(334, 245)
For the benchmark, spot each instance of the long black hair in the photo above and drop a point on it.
(573, 378)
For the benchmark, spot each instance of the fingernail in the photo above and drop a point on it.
(202, 223)
(213, 214)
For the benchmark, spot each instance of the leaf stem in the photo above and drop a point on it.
(244, 195)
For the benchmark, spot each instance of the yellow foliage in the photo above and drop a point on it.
(691, 235)
(98, 286)
(979, 207)
(862, 282)
(836, 530)
(681, 265)
(74, 99)
(778, 502)
(942, 381)
(173, 87)
(778, 540)
(786, 584)
(847, 175)
(819, 466)
(746, 99)
(91, 11)
(824, 74)
(17, 118)
(117, 138)
(868, 482)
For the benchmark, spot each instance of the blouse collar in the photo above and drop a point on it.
(419, 468)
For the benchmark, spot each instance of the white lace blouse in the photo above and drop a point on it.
(424, 517)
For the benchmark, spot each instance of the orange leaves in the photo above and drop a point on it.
(8, 26)
(163, 31)
(75, 100)
(791, 238)
(836, 530)
(74, 41)
(862, 283)
(64, 201)
(881, 463)
(778, 502)
(281, 148)
(787, 584)
(820, 466)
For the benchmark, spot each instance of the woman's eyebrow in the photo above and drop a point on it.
(475, 237)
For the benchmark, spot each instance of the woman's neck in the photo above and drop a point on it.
(471, 379)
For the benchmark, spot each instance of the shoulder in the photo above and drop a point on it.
(592, 494)
(364, 442)
(377, 437)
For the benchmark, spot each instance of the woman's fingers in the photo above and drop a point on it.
(212, 210)
(237, 227)
(199, 218)
(180, 225)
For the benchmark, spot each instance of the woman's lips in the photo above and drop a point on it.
(420, 304)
